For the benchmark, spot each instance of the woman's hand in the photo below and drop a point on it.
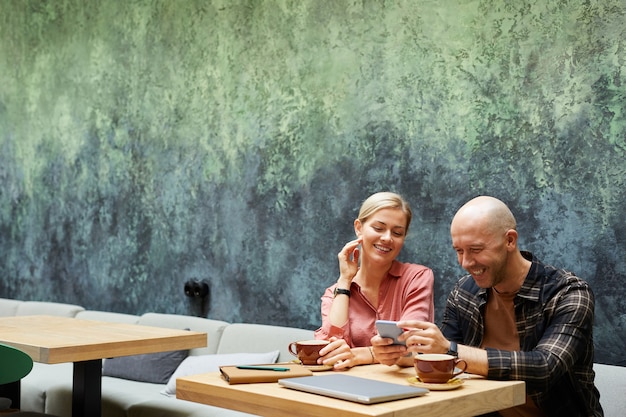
(349, 260)
(386, 352)
(337, 354)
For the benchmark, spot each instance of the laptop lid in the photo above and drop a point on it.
(352, 388)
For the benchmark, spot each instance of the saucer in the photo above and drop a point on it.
(314, 368)
(318, 368)
(454, 383)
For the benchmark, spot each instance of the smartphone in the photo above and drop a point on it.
(388, 328)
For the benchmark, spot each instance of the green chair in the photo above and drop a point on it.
(14, 365)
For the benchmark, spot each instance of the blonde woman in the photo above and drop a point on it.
(373, 285)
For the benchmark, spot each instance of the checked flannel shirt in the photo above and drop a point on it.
(554, 312)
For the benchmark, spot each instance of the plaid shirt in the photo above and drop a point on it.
(554, 313)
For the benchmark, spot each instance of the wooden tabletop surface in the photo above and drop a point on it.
(52, 339)
(475, 396)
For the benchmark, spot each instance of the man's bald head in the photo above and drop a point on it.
(487, 212)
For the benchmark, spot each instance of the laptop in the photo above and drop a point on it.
(352, 388)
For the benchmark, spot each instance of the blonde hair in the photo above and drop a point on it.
(383, 200)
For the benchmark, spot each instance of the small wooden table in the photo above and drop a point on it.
(52, 339)
(476, 396)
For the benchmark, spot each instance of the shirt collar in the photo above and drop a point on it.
(530, 290)
(396, 269)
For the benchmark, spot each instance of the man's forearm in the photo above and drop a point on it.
(476, 359)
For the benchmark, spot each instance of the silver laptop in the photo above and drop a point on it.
(352, 388)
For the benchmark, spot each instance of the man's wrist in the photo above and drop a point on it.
(453, 349)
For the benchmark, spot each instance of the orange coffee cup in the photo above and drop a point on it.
(307, 351)
(435, 368)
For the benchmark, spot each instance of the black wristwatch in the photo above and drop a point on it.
(453, 350)
(341, 291)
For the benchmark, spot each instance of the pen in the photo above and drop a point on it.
(263, 368)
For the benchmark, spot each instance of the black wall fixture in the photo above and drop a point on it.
(198, 290)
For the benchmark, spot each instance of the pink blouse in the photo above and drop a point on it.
(406, 293)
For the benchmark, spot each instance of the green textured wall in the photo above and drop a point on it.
(144, 143)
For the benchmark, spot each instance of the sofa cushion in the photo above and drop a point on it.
(611, 382)
(213, 328)
(237, 337)
(33, 308)
(36, 386)
(117, 396)
(201, 364)
(8, 307)
(156, 368)
(173, 407)
(107, 316)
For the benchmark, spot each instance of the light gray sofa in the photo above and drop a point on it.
(48, 388)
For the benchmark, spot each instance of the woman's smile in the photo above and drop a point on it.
(385, 249)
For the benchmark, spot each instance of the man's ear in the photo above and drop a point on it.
(511, 239)
(358, 228)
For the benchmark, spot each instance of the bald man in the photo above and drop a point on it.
(512, 318)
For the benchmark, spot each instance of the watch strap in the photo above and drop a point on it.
(341, 291)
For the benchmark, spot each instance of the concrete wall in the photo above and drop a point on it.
(146, 143)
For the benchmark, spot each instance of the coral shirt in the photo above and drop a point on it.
(405, 293)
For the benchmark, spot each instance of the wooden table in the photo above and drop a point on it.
(52, 339)
(476, 396)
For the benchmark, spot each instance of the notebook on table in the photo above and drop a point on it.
(352, 388)
(245, 374)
